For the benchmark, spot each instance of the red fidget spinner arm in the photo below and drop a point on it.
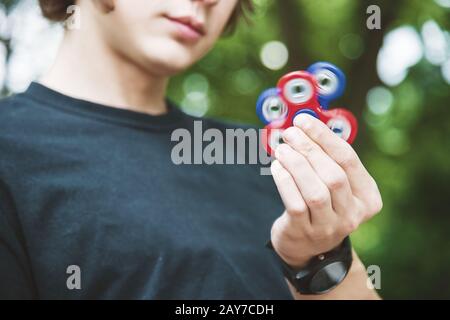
(308, 92)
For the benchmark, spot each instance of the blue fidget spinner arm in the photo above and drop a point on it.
(331, 81)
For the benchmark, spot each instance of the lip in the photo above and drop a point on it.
(188, 28)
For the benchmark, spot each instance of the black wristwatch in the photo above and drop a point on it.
(323, 273)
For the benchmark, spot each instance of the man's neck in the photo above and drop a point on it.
(86, 69)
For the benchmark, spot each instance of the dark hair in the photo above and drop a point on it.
(56, 10)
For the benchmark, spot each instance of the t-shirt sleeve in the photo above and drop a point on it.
(15, 275)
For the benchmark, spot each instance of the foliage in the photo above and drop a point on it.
(406, 147)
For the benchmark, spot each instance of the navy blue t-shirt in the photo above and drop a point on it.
(94, 187)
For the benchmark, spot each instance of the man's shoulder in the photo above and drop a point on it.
(14, 107)
(8, 103)
(10, 110)
(19, 120)
(22, 112)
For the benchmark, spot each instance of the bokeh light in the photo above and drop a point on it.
(435, 43)
(274, 55)
(445, 69)
(195, 103)
(443, 3)
(402, 48)
(195, 82)
(4, 25)
(2, 64)
(379, 100)
(34, 43)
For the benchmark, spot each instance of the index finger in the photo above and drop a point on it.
(339, 150)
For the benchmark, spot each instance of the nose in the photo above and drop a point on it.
(207, 2)
(200, 8)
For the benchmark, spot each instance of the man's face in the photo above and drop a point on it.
(163, 36)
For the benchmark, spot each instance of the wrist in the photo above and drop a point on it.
(317, 274)
(297, 261)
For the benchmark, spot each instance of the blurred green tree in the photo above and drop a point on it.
(405, 127)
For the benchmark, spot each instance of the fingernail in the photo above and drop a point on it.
(302, 120)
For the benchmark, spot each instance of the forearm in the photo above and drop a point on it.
(354, 287)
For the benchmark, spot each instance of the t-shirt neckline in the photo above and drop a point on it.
(53, 98)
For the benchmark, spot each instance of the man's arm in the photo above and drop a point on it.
(328, 194)
(15, 274)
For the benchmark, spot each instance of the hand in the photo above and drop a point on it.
(325, 188)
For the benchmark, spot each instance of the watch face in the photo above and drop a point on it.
(328, 277)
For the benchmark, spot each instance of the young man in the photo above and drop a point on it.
(91, 205)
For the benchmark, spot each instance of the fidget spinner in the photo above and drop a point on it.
(309, 92)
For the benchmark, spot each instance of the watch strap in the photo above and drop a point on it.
(322, 273)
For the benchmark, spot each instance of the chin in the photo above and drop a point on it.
(169, 57)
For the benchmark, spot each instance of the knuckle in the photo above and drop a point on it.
(297, 210)
(305, 146)
(279, 226)
(319, 200)
(337, 181)
(378, 201)
(350, 225)
(349, 159)
(376, 205)
(374, 202)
